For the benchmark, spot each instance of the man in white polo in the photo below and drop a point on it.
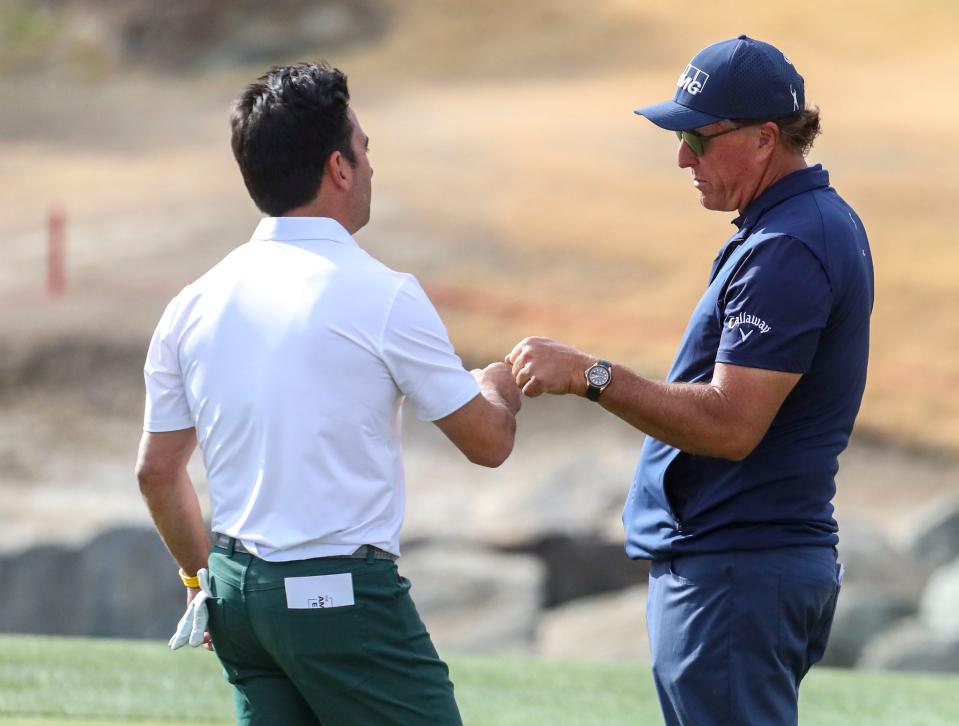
(288, 362)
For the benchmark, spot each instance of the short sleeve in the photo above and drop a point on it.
(420, 357)
(166, 408)
(776, 305)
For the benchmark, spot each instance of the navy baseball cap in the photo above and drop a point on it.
(736, 78)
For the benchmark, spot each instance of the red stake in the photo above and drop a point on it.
(56, 249)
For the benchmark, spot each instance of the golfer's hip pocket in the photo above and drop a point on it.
(806, 613)
(224, 642)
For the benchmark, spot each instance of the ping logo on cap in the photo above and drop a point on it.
(692, 80)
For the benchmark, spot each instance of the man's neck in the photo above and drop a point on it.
(322, 208)
(778, 168)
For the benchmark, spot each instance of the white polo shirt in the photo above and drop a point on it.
(291, 358)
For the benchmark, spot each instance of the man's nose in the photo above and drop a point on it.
(685, 156)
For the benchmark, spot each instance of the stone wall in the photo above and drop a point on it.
(558, 595)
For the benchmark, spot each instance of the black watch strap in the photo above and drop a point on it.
(592, 391)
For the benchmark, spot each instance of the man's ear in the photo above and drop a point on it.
(339, 171)
(768, 138)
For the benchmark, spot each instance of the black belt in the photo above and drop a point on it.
(362, 553)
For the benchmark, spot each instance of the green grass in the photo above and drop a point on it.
(46, 681)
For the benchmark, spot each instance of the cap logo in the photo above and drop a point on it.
(692, 80)
(795, 100)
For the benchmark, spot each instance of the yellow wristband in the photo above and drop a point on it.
(188, 581)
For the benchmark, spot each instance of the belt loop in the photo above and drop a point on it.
(232, 546)
(370, 554)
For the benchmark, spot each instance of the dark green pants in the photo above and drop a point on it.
(371, 663)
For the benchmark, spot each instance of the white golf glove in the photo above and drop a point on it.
(192, 625)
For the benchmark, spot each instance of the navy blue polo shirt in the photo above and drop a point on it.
(792, 291)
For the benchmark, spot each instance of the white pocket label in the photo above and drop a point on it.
(320, 591)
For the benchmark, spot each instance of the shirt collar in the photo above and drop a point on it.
(301, 229)
(813, 177)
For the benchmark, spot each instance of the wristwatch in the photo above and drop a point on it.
(598, 377)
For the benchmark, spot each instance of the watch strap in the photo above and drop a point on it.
(592, 392)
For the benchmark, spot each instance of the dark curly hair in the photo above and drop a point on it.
(285, 126)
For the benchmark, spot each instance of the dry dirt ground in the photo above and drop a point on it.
(514, 181)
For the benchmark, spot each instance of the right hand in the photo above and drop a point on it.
(192, 627)
(542, 365)
(499, 377)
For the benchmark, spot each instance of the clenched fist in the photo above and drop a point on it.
(543, 365)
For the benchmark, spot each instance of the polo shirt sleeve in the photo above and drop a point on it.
(166, 407)
(775, 307)
(420, 357)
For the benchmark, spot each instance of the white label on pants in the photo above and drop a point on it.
(320, 591)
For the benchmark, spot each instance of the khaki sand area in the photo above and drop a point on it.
(511, 177)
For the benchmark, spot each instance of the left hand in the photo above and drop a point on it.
(543, 365)
(192, 626)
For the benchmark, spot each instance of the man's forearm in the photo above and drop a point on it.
(499, 418)
(503, 415)
(176, 512)
(694, 417)
(725, 418)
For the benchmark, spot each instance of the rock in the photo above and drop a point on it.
(871, 560)
(585, 565)
(940, 602)
(934, 533)
(912, 646)
(131, 585)
(552, 484)
(577, 497)
(473, 600)
(48, 594)
(929, 642)
(864, 610)
(602, 627)
(882, 584)
(122, 584)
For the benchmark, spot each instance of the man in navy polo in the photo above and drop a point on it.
(732, 495)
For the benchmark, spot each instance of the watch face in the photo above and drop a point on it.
(598, 376)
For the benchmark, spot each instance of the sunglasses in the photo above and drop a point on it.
(697, 141)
